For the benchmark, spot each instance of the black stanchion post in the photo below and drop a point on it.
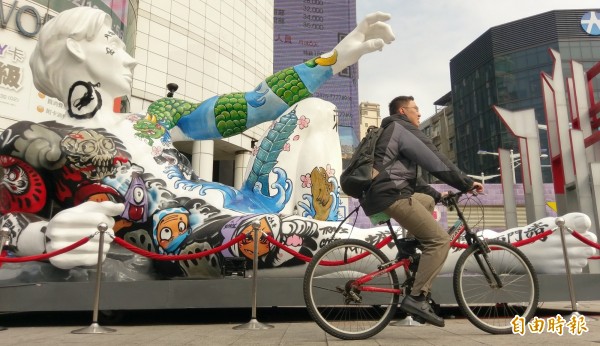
(254, 324)
(560, 222)
(95, 328)
(4, 238)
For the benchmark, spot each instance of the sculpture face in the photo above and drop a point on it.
(247, 244)
(106, 52)
(172, 229)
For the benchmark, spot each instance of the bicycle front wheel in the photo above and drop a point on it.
(491, 307)
(336, 304)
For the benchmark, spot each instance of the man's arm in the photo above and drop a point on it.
(419, 149)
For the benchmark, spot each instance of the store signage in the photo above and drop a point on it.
(25, 26)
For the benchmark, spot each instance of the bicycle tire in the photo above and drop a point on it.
(492, 309)
(327, 290)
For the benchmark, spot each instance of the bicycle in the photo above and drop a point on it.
(352, 290)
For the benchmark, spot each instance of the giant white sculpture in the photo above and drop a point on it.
(61, 178)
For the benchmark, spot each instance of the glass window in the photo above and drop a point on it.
(532, 59)
(586, 51)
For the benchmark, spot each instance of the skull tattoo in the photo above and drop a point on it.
(90, 152)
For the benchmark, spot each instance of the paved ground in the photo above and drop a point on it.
(291, 327)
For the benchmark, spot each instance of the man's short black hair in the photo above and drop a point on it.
(399, 102)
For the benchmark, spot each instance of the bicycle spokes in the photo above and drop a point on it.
(491, 288)
(352, 299)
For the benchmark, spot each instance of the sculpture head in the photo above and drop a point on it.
(78, 45)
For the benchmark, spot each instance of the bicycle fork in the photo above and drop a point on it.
(487, 268)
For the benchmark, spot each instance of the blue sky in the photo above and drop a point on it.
(428, 34)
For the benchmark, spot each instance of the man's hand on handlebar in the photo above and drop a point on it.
(477, 188)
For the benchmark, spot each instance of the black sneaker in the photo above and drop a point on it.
(421, 309)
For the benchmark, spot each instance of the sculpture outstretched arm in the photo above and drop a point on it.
(231, 114)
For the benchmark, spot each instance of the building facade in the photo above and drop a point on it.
(370, 115)
(502, 67)
(440, 128)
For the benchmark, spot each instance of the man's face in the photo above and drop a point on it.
(107, 62)
(412, 113)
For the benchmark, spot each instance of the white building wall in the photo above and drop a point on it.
(207, 47)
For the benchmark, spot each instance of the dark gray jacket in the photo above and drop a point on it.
(405, 145)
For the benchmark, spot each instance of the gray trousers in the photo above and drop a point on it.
(415, 215)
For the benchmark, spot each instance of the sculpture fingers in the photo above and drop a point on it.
(71, 225)
(375, 17)
(106, 207)
(381, 31)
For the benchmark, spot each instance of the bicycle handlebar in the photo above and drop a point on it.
(451, 199)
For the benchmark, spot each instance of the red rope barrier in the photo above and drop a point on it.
(594, 257)
(585, 240)
(3, 254)
(287, 249)
(516, 244)
(46, 255)
(160, 257)
(379, 245)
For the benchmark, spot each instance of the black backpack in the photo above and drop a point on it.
(357, 177)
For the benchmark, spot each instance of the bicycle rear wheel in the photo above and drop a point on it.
(488, 307)
(338, 307)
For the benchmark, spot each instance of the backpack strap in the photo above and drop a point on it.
(389, 163)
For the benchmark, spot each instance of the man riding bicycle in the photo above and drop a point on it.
(396, 192)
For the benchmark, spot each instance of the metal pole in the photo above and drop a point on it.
(95, 328)
(254, 324)
(512, 165)
(560, 222)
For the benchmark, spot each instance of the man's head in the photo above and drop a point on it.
(405, 105)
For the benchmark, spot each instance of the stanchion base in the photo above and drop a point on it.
(254, 325)
(572, 314)
(94, 328)
(406, 322)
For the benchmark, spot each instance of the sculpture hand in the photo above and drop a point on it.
(370, 34)
(73, 224)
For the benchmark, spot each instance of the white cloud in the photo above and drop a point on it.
(429, 34)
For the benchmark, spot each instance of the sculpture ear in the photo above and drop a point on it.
(75, 49)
